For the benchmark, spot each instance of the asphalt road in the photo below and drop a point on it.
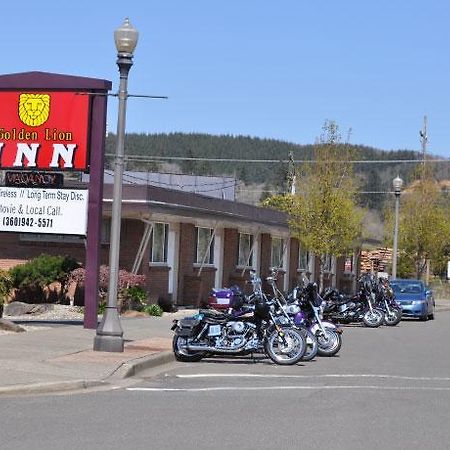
(388, 388)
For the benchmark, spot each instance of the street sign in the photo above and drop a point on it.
(49, 211)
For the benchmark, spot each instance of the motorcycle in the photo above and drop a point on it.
(283, 317)
(359, 308)
(250, 327)
(309, 313)
(385, 300)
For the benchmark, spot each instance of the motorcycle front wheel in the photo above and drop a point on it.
(181, 353)
(393, 317)
(374, 318)
(329, 342)
(312, 346)
(286, 347)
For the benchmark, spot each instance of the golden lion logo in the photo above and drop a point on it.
(34, 109)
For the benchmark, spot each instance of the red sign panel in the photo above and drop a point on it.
(44, 130)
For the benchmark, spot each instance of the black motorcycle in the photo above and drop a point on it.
(385, 300)
(359, 308)
(249, 327)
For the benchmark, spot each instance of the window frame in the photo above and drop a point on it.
(307, 253)
(200, 258)
(243, 261)
(280, 257)
(165, 246)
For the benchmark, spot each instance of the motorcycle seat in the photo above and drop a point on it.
(211, 315)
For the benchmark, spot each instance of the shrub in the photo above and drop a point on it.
(134, 298)
(131, 287)
(153, 310)
(6, 285)
(166, 305)
(42, 271)
(33, 276)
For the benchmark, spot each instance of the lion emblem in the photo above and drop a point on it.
(34, 109)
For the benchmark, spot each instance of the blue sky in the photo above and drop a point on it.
(270, 69)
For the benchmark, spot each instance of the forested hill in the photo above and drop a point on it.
(374, 176)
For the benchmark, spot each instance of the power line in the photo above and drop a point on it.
(277, 161)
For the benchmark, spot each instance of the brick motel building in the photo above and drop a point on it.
(187, 243)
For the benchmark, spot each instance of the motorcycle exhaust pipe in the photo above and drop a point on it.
(207, 348)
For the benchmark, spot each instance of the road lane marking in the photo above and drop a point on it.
(256, 375)
(288, 388)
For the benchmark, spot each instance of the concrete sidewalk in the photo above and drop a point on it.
(59, 357)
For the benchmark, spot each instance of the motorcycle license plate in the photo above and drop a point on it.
(214, 330)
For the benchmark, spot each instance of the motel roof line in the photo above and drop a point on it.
(141, 201)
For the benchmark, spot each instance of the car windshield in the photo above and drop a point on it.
(406, 288)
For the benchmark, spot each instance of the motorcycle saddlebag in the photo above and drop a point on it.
(188, 327)
(225, 298)
(221, 298)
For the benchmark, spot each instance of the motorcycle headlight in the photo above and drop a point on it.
(283, 320)
(292, 309)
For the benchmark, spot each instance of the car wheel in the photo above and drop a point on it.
(431, 316)
(424, 318)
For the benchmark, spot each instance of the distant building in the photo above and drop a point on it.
(212, 186)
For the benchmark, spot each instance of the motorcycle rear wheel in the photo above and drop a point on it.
(286, 349)
(374, 318)
(180, 352)
(330, 344)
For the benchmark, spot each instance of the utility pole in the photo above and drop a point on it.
(292, 178)
(424, 141)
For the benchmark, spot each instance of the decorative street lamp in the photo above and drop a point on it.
(109, 337)
(397, 183)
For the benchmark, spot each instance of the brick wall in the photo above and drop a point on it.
(130, 238)
(230, 256)
(186, 257)
(158, 282)
(293, 263)
(14, 251)
(266, 252)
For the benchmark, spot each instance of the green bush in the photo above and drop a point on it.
(6, 285)
(42, 271)
(153, 310)
(101, 308)
(134, 298)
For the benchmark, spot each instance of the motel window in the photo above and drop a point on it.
(327, 262)
(304, 258)
(245, 254)
(277, 252)
(205, 246)
(159, 243)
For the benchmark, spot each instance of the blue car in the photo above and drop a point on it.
(415, 298)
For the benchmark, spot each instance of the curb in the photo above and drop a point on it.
(124, 371)
(131, 368)
(51, 387)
